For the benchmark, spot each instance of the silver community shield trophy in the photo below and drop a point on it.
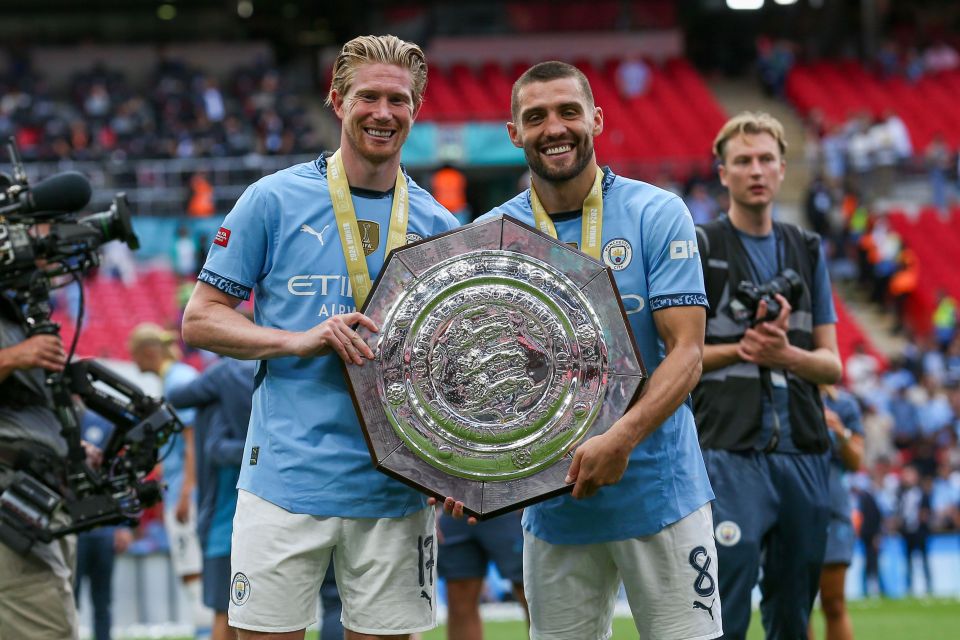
(500, 349)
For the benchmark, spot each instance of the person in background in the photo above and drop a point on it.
(701, 204)
(154, 350)
(944, 319)
(913, 522)
(201, 203)
(36, 588)
(758, 408)
(221, 397)
(633, 77)
(869, 533)
(842, 413)
(464, 554)
(940, 165)
(185, 254)
(449, 187)
(98, 548)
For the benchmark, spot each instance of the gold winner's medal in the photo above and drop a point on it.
(592, 217)
(349, 230)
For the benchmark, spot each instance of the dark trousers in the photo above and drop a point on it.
(871, 564)
(95, 563)
(771, 516)
(330, 626)
(917, 543)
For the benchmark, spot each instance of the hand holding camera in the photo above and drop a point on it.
(765, 343)
(42, 351)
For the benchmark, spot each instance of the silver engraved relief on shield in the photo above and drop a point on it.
(492, 366)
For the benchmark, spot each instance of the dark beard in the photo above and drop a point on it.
(561, 175)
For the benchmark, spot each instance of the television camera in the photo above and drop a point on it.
(45, 244)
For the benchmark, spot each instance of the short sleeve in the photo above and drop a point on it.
(674, 273)
(238, 254)
(823, 309)
(445, 221)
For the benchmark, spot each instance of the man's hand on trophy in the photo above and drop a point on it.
(335, 334)
(453, 507)
(43, 351)
(598, 462)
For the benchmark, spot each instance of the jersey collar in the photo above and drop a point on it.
(608, 177)
(321, 164)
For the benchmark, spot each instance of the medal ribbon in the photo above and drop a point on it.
(349, 230)
(590, 235)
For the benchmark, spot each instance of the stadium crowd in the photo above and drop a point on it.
(186, 113)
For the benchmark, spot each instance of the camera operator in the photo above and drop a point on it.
(36, 589)
(770, 341)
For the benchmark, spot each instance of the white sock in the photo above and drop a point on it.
(202, 615)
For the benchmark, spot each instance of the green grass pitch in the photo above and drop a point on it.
(910, 619)
(925, 619)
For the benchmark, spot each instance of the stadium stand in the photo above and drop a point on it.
(850, 334)
(840, 89)
(931, 237)
(671, 124)
(114, 309)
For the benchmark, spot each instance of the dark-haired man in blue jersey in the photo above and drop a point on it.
(640, 509)
(307, 241)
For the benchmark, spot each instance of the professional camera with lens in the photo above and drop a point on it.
(748, 296)
(40, 223)
(45, 244)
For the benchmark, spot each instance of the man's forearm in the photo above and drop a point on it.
(216, 327)
(820, 366)
(718, 356)
(666, 389)
(7, 366)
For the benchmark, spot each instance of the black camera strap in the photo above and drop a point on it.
(766, 381)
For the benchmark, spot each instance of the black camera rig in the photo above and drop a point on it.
(43, 244)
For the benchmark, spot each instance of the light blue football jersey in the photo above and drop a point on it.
(649, 242)
(177, 374)
(305, 451)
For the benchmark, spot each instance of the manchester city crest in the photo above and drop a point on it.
(727, 533)
(240, 589)
(617, 254)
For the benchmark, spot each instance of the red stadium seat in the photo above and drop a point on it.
(841, 89)
(675, 121)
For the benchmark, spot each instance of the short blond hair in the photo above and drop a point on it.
(383, 50)
(749, 122)
(149, 334)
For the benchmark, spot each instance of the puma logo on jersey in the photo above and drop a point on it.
(699, 605)
(305, 228)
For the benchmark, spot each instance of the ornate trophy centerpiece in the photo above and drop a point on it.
(500, 349)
